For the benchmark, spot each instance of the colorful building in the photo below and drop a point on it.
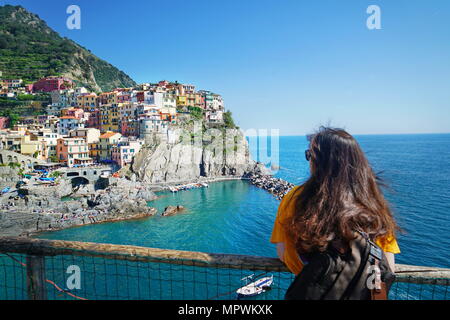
(182, 101)
(67, 124)
(51, 141)
(188, 88)
(170, 99)
(30, 146)
(151, 125)
(50, 84)
(94, 119)
(106, 142)
(90, 135)
(214, 116)
(110, 117)
(4, 123)
(195, 100)
(169, 115)
(124, 152)
(12, 84)
(72, 112)
(87, 100)
(94, 151)
(73, 152)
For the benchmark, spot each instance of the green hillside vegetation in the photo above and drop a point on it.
(30, 50)
(23, 106)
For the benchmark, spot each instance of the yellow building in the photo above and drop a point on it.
(110, 117)
(33, 148)
(107, 98)
(87, 100)
(107, 141)
(94, 151)
(181, 101)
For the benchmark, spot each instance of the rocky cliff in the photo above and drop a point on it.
(8, 177)
(222, 155)
(41, 209)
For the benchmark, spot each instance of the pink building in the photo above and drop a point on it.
(94, 120)
(73, 151)
(73, 112)
(129, 127)
(29, 88)
(124, 152)
(50, 84)
(124, 97)
(4, 123)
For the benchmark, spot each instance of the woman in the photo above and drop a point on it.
(341, 196)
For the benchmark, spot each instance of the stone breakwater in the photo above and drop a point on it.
(40, 208)
(278, 187)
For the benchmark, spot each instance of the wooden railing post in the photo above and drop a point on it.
(36, 285)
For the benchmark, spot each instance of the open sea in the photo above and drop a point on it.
(236, 217)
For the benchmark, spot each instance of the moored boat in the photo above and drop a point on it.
(255, 288)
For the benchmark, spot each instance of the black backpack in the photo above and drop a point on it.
(359, 273)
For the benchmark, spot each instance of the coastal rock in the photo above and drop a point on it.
(214, 157)
(62, 189)
(278, 187)
(40, 208)
(8, 177)
(85, 190)
(172, 210)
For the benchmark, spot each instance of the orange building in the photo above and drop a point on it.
(73, 152)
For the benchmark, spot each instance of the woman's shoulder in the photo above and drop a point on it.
(292, 194)
(388, 243)
(288, 201)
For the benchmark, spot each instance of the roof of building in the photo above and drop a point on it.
(108, 135)
(68, 117)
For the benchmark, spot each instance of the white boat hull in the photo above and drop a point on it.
(255, 288)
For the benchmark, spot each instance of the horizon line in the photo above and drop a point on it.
(369, 134)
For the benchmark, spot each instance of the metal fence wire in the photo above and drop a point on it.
(60, 270)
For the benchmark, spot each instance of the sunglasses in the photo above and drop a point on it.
(308, 155)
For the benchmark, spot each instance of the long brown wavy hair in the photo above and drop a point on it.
(341, 196)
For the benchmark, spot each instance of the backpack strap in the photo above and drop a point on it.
(360, 255)
(379, 291)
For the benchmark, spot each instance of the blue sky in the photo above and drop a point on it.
(288, 65)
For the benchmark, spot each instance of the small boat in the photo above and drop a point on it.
(257, 287)
(46, 180)
(6, 190)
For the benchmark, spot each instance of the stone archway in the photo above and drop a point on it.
(79, 181)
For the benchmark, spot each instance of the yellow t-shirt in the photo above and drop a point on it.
(279, 234)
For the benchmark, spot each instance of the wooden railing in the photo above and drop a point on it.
(36, 250)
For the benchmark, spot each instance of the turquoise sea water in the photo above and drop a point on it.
(227, 217)
(235, 217)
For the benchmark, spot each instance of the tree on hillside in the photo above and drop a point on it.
(228, 120)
